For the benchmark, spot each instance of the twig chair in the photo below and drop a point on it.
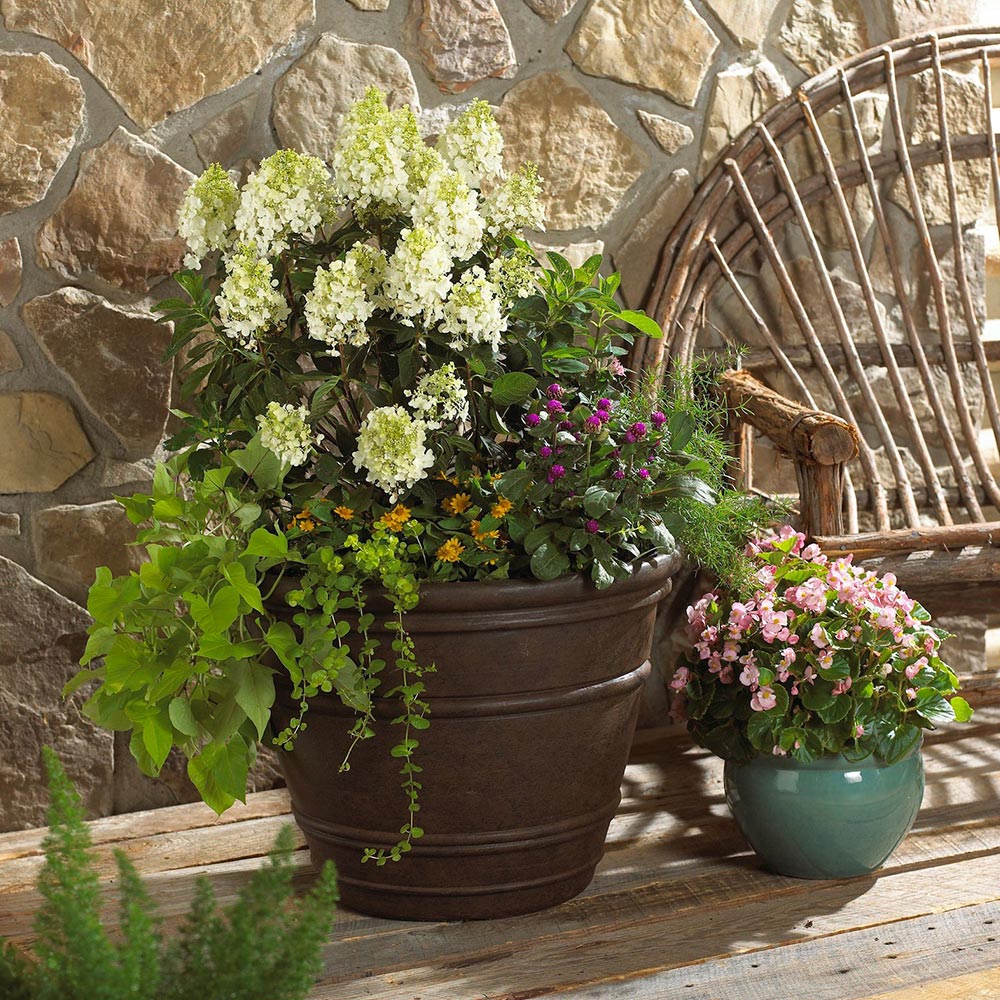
(841, 242)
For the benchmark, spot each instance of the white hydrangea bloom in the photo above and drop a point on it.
(284, 431)
(391, 450)
(440, 397)
(290, 194)
(473, 145)
(249, 300)
(342, 299)
(514, 275)
(417, 276)
(449, 209)
(514, 204)
(372, 151)
(205, 220)
(473, 312)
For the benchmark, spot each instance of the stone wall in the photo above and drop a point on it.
(107, 111)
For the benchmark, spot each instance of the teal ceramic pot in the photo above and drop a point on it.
(832, 818)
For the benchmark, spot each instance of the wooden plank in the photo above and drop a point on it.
(953, 536)
(148, 822)
(843, 967)
(651, 938)
(983, 985)
(167, 851)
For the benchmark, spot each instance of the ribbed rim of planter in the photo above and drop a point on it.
(651, 579)
(829, 762)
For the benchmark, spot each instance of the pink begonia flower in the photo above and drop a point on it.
(842, 687)
(809, 675)
(763, 699)
(825, 658)
(911, 694)
(915, 667)
(887, 669)
(819, 636)
(709, 634)
(787, 656)
(749, 676)
(929, 645)
(813, 553)
(741, 615)
(730, 652)
(859, 730)
(889, 580)
(726, 676)
(842, 634)
(715, 663)
(886, 618)
(778, 752)
(680, 679)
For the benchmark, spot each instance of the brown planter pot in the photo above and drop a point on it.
(533, 709)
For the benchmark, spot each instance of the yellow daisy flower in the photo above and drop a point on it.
(395, 519)
(457, 504)
(450, 551)
(346, 513)
(501, 508)
(482, 537)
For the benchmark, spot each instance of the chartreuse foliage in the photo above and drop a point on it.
(265, 947)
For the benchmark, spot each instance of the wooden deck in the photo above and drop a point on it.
(679, 907)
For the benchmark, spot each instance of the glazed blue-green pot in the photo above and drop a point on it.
(833, 818)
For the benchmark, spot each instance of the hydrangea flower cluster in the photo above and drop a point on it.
(207, 214)
(514, 204)
(285, 431)
(391, 450)
(473, 145)
(474, 311)
(440, 397)
(341, 301)
(249, 301)
(823, 657)
(417, 277)
(370, 159)
(289, 194)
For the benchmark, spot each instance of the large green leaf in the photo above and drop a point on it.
(236, 574)
(218, 616)
(267, 543)
(254, 692)
(514, 387)
(219, 773)
(548, 562)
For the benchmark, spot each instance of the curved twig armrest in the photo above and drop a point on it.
(819, 443)
(805, 434)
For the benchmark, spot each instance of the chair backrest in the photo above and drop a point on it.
(843, 242)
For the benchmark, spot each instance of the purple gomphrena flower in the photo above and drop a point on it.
(618, 474)
(629, 437)
(604, 404)
(556, 472)
(555, 391)
(592, 423)
(545, 451)
(658, 418)
(565, 425)
(638, 429)
(644, 473)
(593, 526)
(604, 415)
(554, 406)
(532, 419)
